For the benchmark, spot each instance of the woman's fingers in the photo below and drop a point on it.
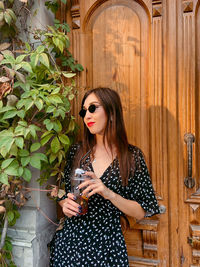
(70, 207)
(93, 185)
(86, 183)
(87, 191)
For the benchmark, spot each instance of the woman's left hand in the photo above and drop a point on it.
(95, 185)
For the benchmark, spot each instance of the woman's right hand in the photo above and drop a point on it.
(69, 206)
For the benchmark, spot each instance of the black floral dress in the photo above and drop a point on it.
(96, 239)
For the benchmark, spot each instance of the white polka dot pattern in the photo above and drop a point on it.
(95, 239)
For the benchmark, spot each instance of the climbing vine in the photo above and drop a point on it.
(36, 124)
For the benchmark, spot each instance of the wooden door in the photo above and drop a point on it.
(149, 51)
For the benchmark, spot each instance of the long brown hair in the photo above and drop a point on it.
(114, 133)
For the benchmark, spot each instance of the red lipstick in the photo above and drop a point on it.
(89, 124)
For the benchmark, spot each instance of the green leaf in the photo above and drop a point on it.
(11, 13)
(33, 128)
(25, 161)
(23, 153)
(46, 133)
(10, 114)
(4, 178)
(7, 108)
(54, 173)
(3, 152)
(6, 163)
(43, 58)
(61, 46)
(14, 150)
(29, 103)
(26, 66)
(40, 49)
(19, 59)
(56, 91)
(23, 123)
(35, 147)
(57, 126)
(5, 140)
(71, 126)
(45, 139)
(55, 99)
(10, 216)
(34, 59)
(19, 130)
(20, 103)
(39, 104)
(20, 171)
(21, 114)
(12, 169)
(42, 157)
(49, 124)
(18, 66)
(50, 109)
(56, 41)
(17, 215)
(55, 145)
(60, 157)
(64, 139)
(71, 97)
(7, 17)
(8, 247)
(26, 133)
(28, 47)
(35, 162)
(6, 145)
(64, 1)
(68, 74)
(52, 157)
(27, 175)
(19, 141)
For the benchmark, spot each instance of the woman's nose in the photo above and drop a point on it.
(88, 114)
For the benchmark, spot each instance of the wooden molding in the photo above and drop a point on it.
(194, 198)
(75, 13)
(149, 228)
(194, 241)
(188, 6)
(141, 262)
(157, 8)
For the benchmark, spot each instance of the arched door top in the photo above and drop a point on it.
(101, 5)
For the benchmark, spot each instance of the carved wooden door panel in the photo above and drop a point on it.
(149, 51)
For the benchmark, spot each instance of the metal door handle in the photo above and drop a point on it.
(189, 139)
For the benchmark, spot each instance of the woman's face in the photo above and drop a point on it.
(96, 121)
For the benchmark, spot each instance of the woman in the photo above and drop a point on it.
(120, 185)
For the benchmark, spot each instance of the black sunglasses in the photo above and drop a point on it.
(91, 109)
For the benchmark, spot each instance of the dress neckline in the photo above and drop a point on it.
(107, 169)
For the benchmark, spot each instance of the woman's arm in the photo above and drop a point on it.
(129, 207)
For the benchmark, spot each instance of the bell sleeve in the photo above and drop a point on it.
(141, 188)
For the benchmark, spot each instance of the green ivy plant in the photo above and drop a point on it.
(36, 125)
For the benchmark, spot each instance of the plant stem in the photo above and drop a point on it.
(4, 232)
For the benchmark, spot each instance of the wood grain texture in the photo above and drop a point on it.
(149, 51)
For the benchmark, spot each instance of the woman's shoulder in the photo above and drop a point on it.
(74, 148)
(137, 155)
(135, 150)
